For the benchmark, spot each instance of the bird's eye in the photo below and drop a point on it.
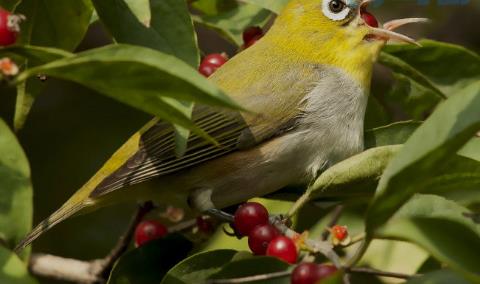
(336, 6)
(335, 10)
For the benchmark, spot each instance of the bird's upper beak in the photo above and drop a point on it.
(386, 32)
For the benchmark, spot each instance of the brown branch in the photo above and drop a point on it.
(377, 272)
(336, 213)
(66, 269)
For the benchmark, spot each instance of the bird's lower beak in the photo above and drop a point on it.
(386, 32)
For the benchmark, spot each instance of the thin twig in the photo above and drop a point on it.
(313, 246)
(377, 272)
(123, 242)
(336, 213)
(253, 278)
(355, 239)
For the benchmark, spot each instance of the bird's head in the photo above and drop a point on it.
(335, 32)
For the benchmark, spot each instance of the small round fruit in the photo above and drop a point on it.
(305, 273)
(311, 273)
(211, 63)
(260, 237)
(369, 19)
(248, 216)
(251, 32)
(204, 225)
(339, 232)
(253, 41)
(326, 270)
(206, 69)
(215, 59)
(149, 230)
(283, 248)
(8, 28)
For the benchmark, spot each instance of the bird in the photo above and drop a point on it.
(304, 87)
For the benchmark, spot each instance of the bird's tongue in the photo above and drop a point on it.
(369, 18)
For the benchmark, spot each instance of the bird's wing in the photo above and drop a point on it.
(274, 108)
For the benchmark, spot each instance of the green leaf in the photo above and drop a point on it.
(395, 133)
(471, 149)
(375, 115)
(12, 269)
(424, 74)
(275, 6)
(435, 61)
(415, 99)
(438, 277)
(170, 29)
(353, 175)
(141, 9)
(154, 82)
(232, 23)
(459, 181)
(58, 23)
(38, 54)
(426, 152)
(16, 204)
(214, 7)
(254, 266)
(150, 262)
(440, 227)
(407, 71)
(181, 140)
(199, 267)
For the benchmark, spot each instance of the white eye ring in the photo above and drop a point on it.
(332, 15)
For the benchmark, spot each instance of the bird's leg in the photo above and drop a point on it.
(200, 199)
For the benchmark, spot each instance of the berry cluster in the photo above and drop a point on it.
(212, 62)
(252, 219)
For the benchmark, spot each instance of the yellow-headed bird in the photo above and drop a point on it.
(305, 84)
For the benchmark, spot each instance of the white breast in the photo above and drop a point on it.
(331, 128)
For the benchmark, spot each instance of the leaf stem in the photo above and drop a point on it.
(252, 278)
(377, 272)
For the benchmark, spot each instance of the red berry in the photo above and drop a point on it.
(149, 230)
(311, 273)
(211, 63)
(283, 248)
(369, 19)
(253, 41)
(339, 232)
(206, 69)
(9, 27)
(326, 270)
(248, 216)
(260, 237)
(250, 33)
(215, 59)
(204, 225)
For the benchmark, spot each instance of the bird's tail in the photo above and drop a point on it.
(67, 210)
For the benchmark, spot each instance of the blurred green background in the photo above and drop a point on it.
(72, 130)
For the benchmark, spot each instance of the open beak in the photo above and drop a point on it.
(386, 32)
